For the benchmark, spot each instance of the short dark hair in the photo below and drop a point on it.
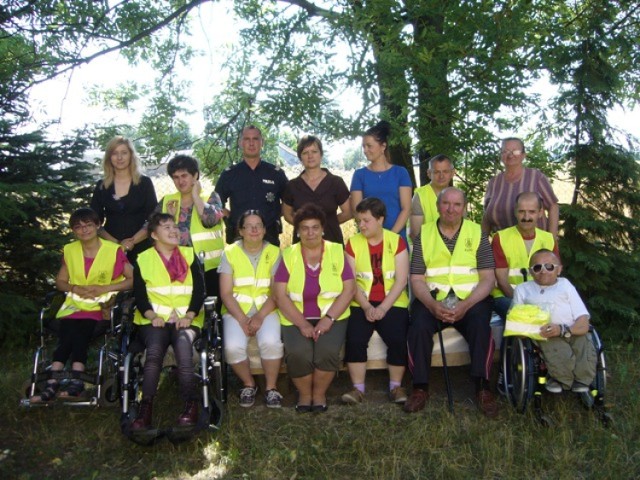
(514, 139)
(441, 157)
(373, 205)
(251, 127)
(308, 211)
(306, 141)
(248, 213)
(84, 214)
(183, 162)
(156, 219)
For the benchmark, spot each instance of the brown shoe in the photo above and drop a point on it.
(398, 395)
(143, 420)
(353, 397)
(487, 403)
(416, 401)
(190, 414)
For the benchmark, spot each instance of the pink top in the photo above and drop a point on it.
(500, 198)
(311, 290)
(118, 269)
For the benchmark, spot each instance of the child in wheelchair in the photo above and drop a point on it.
(92, 271)
(169, 291)
(569, 354)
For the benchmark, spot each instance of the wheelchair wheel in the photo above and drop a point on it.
(110, 392)
(518, 369)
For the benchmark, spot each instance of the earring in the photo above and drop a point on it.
(297, 235)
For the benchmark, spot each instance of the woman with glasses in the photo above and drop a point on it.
(92, 270)
(313, 287)
(246, 271)
(124, 198)
(319, 186)
(502, 190)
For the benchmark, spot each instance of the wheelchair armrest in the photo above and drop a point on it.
(52, 303)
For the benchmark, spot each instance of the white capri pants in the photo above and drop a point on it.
(268, 337)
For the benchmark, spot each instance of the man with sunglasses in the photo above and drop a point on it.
(513, 247)
(568, 352)
(452, 274)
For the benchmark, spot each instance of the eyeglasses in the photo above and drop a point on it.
(511, 152)
(440, 172)
(549, 267)
(256, 227)
(251, 212)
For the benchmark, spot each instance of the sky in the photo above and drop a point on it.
(64, 100)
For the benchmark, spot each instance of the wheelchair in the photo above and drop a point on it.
(210, 369)
(101, 374)
(525, 373)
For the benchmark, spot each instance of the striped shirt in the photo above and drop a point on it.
(500, 198)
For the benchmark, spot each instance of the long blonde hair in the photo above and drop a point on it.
(107, 166)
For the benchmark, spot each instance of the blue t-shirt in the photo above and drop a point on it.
(385, 186)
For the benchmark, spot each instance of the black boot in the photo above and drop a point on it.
(143, 420)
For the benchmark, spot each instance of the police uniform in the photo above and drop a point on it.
(253, 189)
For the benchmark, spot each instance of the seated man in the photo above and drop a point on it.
(569, 354)
(513, 247)
(451, 277)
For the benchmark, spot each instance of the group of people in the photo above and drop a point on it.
(304, 303)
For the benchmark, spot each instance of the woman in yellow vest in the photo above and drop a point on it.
(199, 220)
(380, 260)
(92, 270)
(248, 310)
(169, 291)
(313, 287)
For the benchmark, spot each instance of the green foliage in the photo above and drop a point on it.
(354, 158)
(41, 183)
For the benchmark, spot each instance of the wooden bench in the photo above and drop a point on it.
(455, 346)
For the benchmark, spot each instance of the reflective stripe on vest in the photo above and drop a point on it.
(251, 285)
(445, 270)
(428, 201)
(164, 295)
(515, 251)
(364, 271)
(209, 241)
(330, 277)
(100, 273)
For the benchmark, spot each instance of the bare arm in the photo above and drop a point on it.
(553, 221)
(356, 198)
(483, 289)
(345, 212)
(286, 306)
(287, 213)
(502, 277)
(405, 210)
(402, 278)
(415, 224)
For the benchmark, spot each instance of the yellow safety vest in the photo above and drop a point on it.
(100, 273)
(209, 241)
(330, 277)
(164, 295)
(515, 251)
(251, 285)
(364, 271)
(457, 271)
(428, 201)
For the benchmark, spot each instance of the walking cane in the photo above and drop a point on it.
(445, 369)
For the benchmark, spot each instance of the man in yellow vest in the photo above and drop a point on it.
(423, 205)
(452, 274)
(513, 247)
(199, 218)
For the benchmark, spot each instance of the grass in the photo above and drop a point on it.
(374, 441)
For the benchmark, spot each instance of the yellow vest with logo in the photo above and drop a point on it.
(515, 251)
(251, 285)
(209, 241)
(330, 277)
(164, 295)
(364, 271)
(100, 273)
(457, 271)
(428, 201)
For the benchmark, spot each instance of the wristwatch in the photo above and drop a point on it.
(565, 331)
(330, 317)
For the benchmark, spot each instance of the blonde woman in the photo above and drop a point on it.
(124, 198)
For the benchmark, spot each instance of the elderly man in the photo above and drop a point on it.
(423, 205)
(253, 185)
(452, 274)
(513, 247)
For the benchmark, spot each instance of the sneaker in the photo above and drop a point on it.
(398, 395)
(353, 397)
(578, 387)
(553, 385)
(416, 401)
(273, 398)
(248, 396)
(487, 403)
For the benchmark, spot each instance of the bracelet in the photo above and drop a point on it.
(330, 317)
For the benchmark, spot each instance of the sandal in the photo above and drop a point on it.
(48, 394)
(75, 388)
